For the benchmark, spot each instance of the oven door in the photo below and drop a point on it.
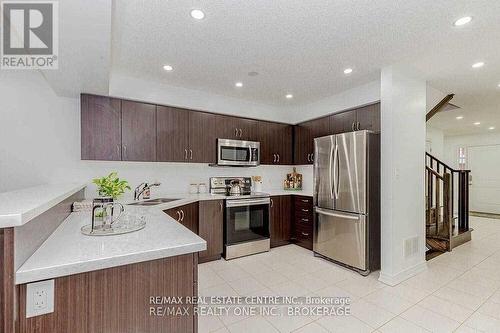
(246, 220)
(237, 152)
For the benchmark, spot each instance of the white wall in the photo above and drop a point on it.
(403, 109)
(435, 142)
(40, 143)
(362, 95)
(156, 92)
(453, 142)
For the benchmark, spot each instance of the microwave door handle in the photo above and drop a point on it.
(249, 154)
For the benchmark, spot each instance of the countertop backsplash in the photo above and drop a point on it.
(176, 177)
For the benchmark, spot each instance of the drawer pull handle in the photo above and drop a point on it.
(305, 210)
(305, 200)
(305, 220)
(305, 234)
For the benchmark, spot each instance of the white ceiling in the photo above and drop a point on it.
(299, 47)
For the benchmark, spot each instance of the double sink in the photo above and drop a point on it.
(152, 202)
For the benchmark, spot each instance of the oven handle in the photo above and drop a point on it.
(247, 202)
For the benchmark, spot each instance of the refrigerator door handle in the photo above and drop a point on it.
(330, 172)
(335, 166)
(329, 213)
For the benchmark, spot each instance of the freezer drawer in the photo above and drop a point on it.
(341, 237)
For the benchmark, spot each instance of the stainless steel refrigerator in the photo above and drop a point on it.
(347, 199)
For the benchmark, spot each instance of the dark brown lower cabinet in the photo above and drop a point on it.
(210, 227)
(117, 300)
(303, 221)
(187, 215)
(281, 220)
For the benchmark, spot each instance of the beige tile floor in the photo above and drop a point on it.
(459, 292)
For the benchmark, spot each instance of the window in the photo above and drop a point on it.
(462, 158)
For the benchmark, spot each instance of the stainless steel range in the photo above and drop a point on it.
(246, 216)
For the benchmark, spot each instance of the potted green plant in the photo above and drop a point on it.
(111, 186)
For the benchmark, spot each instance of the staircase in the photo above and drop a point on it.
(447, 206)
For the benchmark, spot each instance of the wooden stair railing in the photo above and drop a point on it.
(439, 106)
(446, 188)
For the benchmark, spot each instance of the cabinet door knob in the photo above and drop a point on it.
(236, 132)
(278, 158)
(124, 147)
(220, 205)
(190, 154)
(185, 154)
(308, 157)
(312, 157)
(118, 150)
(272, 203)
(241, 132)
(359, 125)
(178, 216)
(182, 215)
(274, 158)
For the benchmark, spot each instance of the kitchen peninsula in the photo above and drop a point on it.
(101, 284)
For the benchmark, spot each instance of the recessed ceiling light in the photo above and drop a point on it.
(348, 71)
(168, 68)
(478, 64)
(499, 85)
(462, 21)
(460, 117)
(491, 128)
(477, 123)
(239, 84)
(289, 96)
(197, 14)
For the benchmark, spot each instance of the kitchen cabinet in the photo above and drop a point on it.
(202, 137)
(281, 220)
(363, 118)
(304, 139)
(172, 136)
(368, 117)
(236, 128)
(187, 215)
(275, 143)
(210, 227)
(101, 128)
(343, 122)
(303, 221)
(138, 131)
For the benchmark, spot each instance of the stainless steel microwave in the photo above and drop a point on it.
(238, 153)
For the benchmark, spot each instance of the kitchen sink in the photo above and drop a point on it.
(152, 202)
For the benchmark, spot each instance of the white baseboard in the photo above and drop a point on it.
(393, 280)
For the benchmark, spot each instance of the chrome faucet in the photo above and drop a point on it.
(139, 190)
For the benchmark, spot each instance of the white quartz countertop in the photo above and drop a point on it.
(67, 251)
(21, 206)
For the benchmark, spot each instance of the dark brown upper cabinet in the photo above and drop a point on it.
(236, 128)
(368, 118)
(304, 139)
(138, 131)
(343, 122)
(172, 135)
(202, 137)
(275, 143)
(101, 128)
(363, 118)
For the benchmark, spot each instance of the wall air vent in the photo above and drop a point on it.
(410, 246)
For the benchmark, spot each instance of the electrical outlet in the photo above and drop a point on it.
(39, 298)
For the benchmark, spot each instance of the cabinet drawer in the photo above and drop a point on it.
(304, 221)
(302, 200)
(304, 236)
